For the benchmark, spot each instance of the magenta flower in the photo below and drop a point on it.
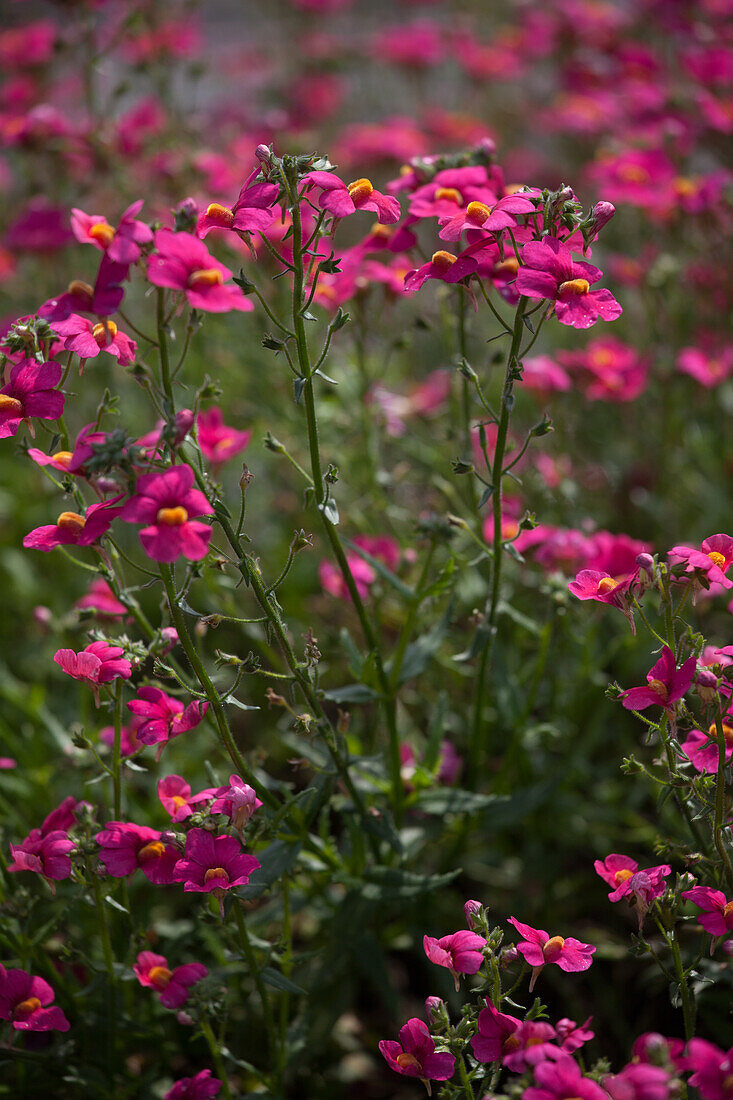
(549, 271)
(538, 948)
(213, 864)
(717, 916)
(238, 801)
(489, 218)
(23, 1001)
(495, 1036)
(713, 1069)
(442, 265)
(87, 340)
(639, 1081)
(175, 795)
(414, 1055)
(104, 298)
(619, 870)
(163, 717)
(713, 559)
(98, 663)
(460, 953)
(665, 684)
(125, 847)
(182, 262)
(572, 1036)
(30, 392)
(101, 600)
(341, 199)
(561, 1079)
(45, 854)
(129, 743)
(167, 502)
(201, 1087)
(592, 584)
(122, 245)
(173, 985)
(219, 443)
(707, 369)
(72, 529)
(251, 212)
(702, 748)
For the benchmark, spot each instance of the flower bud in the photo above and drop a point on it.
(473, 909)
(508, 957)
(169, 639)
(263, 153)
(436, 1013)
(706, 683)
(646, 562)
(185, 216)
(601, 214)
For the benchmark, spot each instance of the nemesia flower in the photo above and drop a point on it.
(561, 1079)
(414, 1055)
(173, 985)
(485, 217)
(341, 199)
(31, 391)
(122, 245)
(639, 1081)
(712, 1069)
(213, 864)
(167, 502)
(590, 584)
(702, 748)
(23, 1001)
(717, 918)
(573, 1036)
(101, 600)
(460, 953)
(538, 948)
(176, 798)
(542, 373)
(708, 370)
(87, 340)
(162, 717)
(607, 370)
(381, 547)
(104, 298)
(665, 684)
(713, 559)
(548, 270)
(626, 880)
(44, 853)
(72, 529)
(182, 262)
(495, 1034)
(129, 743)
(250, 213)
(98, 663)
(238, 801)
(219, 443)
(125, 847)
(201, 1087)
(442, 265)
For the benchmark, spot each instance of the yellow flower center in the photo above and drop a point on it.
(717, 558)
(443, 260)
(383, 231)
(153, 850)
(76, 286)
(178, 801)
(360, 189)
(223, 213)
(71, 521)
(63, 458)
(622, 876)
(727, 733)
(103, 233)
(205, 276)
(510, 1043)
(553, 947)
(510, 266)
(26, 1008)
(10, 404)
(406, 1061)
(685, 187)
(172, 517)
(659, 688)
(215, 872)
(104, 332)
(478, 212)
(575, 286)
(449, 194)
(606, 585)
(633, 173)
(728, 910)
(160, 976)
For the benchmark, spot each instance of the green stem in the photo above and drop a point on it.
(208, 1034)
(249, 955)
(165, 368)
(719, 823)
(688, 1007)
(116, 756)
(465, 1079)
(110, 965)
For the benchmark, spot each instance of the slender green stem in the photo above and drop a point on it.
(165, 367)
(110, 965)
(208, 1034)
(465, 1079)
(719, 823)
(688, 1005)
(116, 751)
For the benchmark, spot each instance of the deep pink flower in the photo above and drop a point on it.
(460, 953)
(31, 391)
(341, 199)
(45, 854)
(129, 743)
(495, 1036)
(573, 1036)
(163, 717)
(639, 1081)
(101, 600)
(543, 374)
(219, 443)
(549, 271)
(702, 748)
(167, 502)
(23, 1001)
(713, 1069)
(607, 370)
(87, 340)
(538, 948)
(619, 871)
(717, 916)
(238, 801)
(182, 262)
(72, 529)
(173, 985)
(708, 370)
(125, 847)
(201, 1087)
(561, 1079)
(665, 684)
(713, 559)
(104, 298)
(97, 664)
(175, 795)
(445, 266)
(122, 244)
(213, 864)
(252, 212)
(592, 584)
(486, 217)
(414, 1055)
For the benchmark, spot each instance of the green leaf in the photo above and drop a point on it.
(279, 981)
(442, 581)
(389, 883)
(330, 510)
(452, 800)
(275, 861)
(238, 703)
(352, 693)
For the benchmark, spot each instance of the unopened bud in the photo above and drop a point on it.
(185, 216)
(245, 477)
(436, 1013)
(706, 683)
(508, 957)
(472, 909)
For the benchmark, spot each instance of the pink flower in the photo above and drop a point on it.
(639, 1081)
(104, 298)
(252, 212)
(341, 199)
(213, 864)
(30, 392)
(445, 266)
(201, 1087)
(561, 1079)
(414, 1055)
(101, 600)
(125, 847)
(87, 340)
(708, 370)
(219, 443)
(495, 1036)
(238, 801)
(44, 853)
(173, 985)
(702, 748)
(607, 370)
(573, 1036)
(591, 584)
(166, 502)
(619, 871)
(182, 262)
(122, 245)
(23, 1001)
(665, 684)
(129, 743)
(98, 663)
(489, 218)
(538, 949)
(549, 271)
(72, 529)
(460, 953)
(162, 717)
(713, 1069)
(175, 795)
(713, 559)
(717, 916)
